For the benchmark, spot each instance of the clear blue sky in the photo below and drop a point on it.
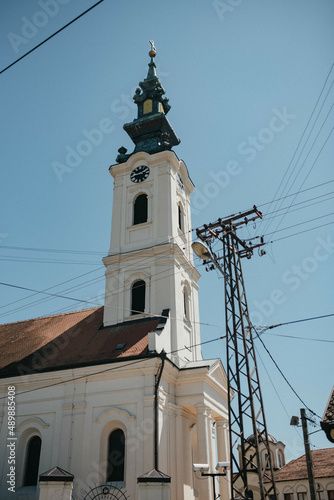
(242, 79)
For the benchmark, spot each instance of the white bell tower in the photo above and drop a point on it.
(149, 267)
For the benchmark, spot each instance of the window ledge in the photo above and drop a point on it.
(117, 484)
(133, 317)
(133, 227)
(181, 234)
(187, 322)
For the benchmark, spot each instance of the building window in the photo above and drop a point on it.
(280, 461)
(180, 217)
(288, 496)
(301, 495)
(32, 461)
(138, 297)
(116, 456)
(185, 302)
(140, 209)
(330, 494)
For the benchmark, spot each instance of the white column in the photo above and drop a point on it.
(204, 484)
(183, 428)
(223, 449)
(55, 490)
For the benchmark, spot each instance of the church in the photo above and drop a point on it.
(117, 402)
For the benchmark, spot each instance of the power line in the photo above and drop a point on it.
(304, 131)
(293, 194)
(301, 232)
(51, 250)
(300, 203)
(310, 149)
(51, 36)
(299, 321)
(133, 266)
(54, 286)
(299, 224)
(301, 338)
(149, 314)
(33, 260)
(280, 371)
(316, 159)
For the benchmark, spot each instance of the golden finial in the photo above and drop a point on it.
(153, 51)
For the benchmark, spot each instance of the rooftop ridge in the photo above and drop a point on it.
(50, 316)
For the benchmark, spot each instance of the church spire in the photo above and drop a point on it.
(151, 130)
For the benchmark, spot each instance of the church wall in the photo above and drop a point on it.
(75, 418)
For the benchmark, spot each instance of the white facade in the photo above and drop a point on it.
(75, 407)
(75, 410)
(79, 409)
(157, 251)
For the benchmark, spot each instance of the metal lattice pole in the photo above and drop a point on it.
(245, 405)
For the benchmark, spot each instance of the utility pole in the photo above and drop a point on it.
(308, 457)
(245, 406)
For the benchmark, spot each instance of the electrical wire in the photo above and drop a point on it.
(51, 250)
(265, 215)
(148, 314)
(299, 224)
(307, 175)
(301, 338)
(50, 288)
(51, 36)
(301, 232)
(298, 192)
(282, 374)
(305, 128)
(133, 266)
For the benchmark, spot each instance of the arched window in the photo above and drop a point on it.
(180, 217)
(116, 456)
(280, 460)
(185, 302)
(32, 461)
(138, 297)
(140, 209)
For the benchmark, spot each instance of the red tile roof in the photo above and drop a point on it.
(66, 340)
(323, 466)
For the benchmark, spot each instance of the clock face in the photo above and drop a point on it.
(140, 174)
(180, 181)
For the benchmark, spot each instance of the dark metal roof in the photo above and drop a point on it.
(271, 439)
(154, 476)
(56, 474)
(327, 423)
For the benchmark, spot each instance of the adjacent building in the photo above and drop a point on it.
(292, 479)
